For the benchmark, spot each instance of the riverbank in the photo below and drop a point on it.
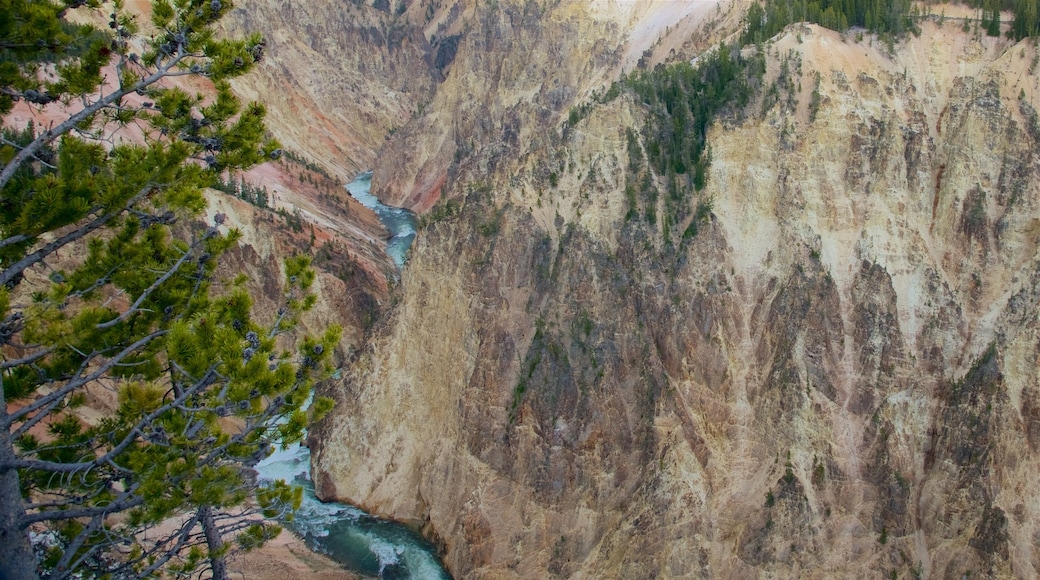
(284, 557)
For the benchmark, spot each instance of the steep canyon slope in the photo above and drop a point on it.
(337, 77)
(836, 375)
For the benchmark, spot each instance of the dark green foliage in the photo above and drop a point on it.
(635, 152)
(1027, 19)
(889, 17)
(702, 215)
(293, 220)
(31, 34)
(531, 362)
(577, 114)
(310, 165)
(490, 226)
(444, 209)
(1026, 13)
(815, 99)
(991, 17)
(682, 101)
(258, 196)
(883, 16)
(204, 390)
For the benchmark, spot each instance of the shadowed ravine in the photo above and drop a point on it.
(359, 541)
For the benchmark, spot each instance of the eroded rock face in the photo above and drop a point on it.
(836, 376)
(515, 69)
(350, 289)
(336, 77)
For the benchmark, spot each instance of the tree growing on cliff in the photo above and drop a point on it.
(106, 291)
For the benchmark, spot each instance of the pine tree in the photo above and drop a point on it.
(991, 18)
(1027, 19)
(106, 284)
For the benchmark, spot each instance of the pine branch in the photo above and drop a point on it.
(10, 364)
(183, 536)
(135, 432)
(74, 120)
(76, 383)
(123, 465)
(136, 306)
(15, 239)
(31, 410)
(102, 485)
(10, 274)
(125, 501)
(74, 547)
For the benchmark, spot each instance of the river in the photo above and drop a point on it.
(401, 222)
(360, 542)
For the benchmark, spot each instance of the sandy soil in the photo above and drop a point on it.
(286, 557)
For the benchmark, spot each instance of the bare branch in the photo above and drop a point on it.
(100, 486)
(134, 433)
(41, 402)
(15, 239)
(9, 364)
(76, 545)
(282, 313)
(125, 501)
(183, 538)
(74, 384)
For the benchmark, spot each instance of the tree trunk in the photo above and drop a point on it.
(16, 556)
(215, 544)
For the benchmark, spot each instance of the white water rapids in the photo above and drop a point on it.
(401, 222)
(362, 543)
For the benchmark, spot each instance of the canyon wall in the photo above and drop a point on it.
(512, 70)
(836, 375)
(336, 77)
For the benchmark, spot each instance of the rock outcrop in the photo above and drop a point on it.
(337, 77)
(836, 376)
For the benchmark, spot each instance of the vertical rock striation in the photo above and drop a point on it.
(836, 376)
(336, 77)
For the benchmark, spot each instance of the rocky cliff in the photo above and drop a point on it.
(511, 70)
(836, 375)
(338, 77)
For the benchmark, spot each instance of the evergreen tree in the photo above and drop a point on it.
(204, 391)
(1027, 19)
(882, 16)
(991, 18)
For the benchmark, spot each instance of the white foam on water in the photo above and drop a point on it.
(422, 565)
(387, 553)
(399, 221)
(285, 464)
(388, 544)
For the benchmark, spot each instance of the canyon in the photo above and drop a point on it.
(834, 375)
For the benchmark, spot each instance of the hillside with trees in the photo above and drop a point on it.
(888, 17)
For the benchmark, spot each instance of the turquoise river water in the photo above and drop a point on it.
(360, 542)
